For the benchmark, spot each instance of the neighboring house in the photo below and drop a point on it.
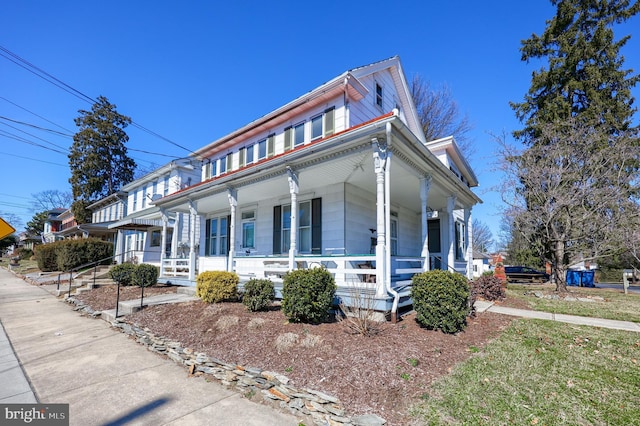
(52, 225)
(104, 213)
(140, 227)
(481, 263)
(28, 241)
(341, 177)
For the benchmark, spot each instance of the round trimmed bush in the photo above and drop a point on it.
(441, 300)
(307, 295)
(145, 275)
(258, 294)
(217, 286)
(123, 273)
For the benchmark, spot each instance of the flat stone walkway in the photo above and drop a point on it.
(105, 377)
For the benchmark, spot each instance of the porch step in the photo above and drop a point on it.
(190, 291)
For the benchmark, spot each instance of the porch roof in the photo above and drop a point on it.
(135, 223)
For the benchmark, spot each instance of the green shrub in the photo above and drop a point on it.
(307, 295)
(258, 294)
(25, 253)
(123, 273)
(217, 286)
(488, 287)
(145, 275)
(441, 300)
(46, 257)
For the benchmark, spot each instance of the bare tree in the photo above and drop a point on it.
(51, 199)
(439, 114)
(569, 198)
(482, 237)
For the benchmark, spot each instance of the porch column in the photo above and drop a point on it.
(163, 244)
(451, 256)
(379, 164)
(293, 190)
(469, 240)
(232, 194)
(177, 230)
(193, 212)
(425, 185)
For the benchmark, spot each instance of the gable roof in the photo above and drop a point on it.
(348, 81)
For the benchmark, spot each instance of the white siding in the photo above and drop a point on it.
(360, 210)
(366, 109)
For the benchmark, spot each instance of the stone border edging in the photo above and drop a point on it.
(324, 409)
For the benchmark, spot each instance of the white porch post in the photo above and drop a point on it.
(233, 204)
(163, 244)
(193, 212)
(468, 238)
(451, 256)
(293, 190)
(177, 229)
(379, 164)
(425, 185)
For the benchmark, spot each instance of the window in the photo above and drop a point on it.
(262, 149)
(394, 234)
(144, 196)
(249, 157)
(248, 229)
(223, 165)
(165, 188)
(217, 236)
(309, 237)
(156, 238)
(229, 162)
(316, 127)
(379, 95)
(135, 200)
(461, 244)
(154, 188)
(298, 134)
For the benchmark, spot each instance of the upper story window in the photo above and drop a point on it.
(144, 196)
(249, 156)
(379, 95)
(165, 184)
(262, 149)
(223, 164)
(135, 201)
(316, 127)
(298, 134)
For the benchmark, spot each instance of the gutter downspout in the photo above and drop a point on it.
(387, 208)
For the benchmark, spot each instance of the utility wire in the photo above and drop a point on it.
(23, 140)
(33, 113)
(37, 137)
(34, 159)
(62, 85)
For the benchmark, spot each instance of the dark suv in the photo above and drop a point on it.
(524, 273)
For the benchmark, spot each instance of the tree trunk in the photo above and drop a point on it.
(559, 269)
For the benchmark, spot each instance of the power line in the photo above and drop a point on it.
(33, 113)
(27, 141)
(37, 137)
(34, 159)
(55, 132)
(62, 85)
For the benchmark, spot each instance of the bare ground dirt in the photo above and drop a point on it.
(385, 373)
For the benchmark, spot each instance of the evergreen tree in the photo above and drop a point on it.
(98, 160)
(584, 78)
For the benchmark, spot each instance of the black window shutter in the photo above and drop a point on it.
(207, 238)
(277, 229)
(316, 226)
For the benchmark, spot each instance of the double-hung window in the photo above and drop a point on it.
(394, 234)
(298, 134)
(249, 156)
(262, 149)
(223, 164)
(217, 236)
(379, 93)
(309, 226)
(165, 186)
(248, 229)
(461, 243)
(316, 127)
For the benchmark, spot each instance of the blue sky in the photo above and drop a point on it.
(195, 71)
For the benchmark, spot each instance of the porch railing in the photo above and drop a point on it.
(176, 267)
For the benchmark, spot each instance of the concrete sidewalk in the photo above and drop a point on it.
(104, 376)
(482, 306)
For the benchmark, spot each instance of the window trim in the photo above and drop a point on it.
(378, 99)
(295, 141)
(314, 120)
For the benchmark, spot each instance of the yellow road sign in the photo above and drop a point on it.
(5, 229)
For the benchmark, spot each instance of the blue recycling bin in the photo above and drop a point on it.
(580, 278)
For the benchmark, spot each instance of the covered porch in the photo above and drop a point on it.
(364, 201)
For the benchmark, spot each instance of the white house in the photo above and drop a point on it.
(143, 229)
(342, 177)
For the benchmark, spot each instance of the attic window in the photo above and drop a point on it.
(379, 95)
